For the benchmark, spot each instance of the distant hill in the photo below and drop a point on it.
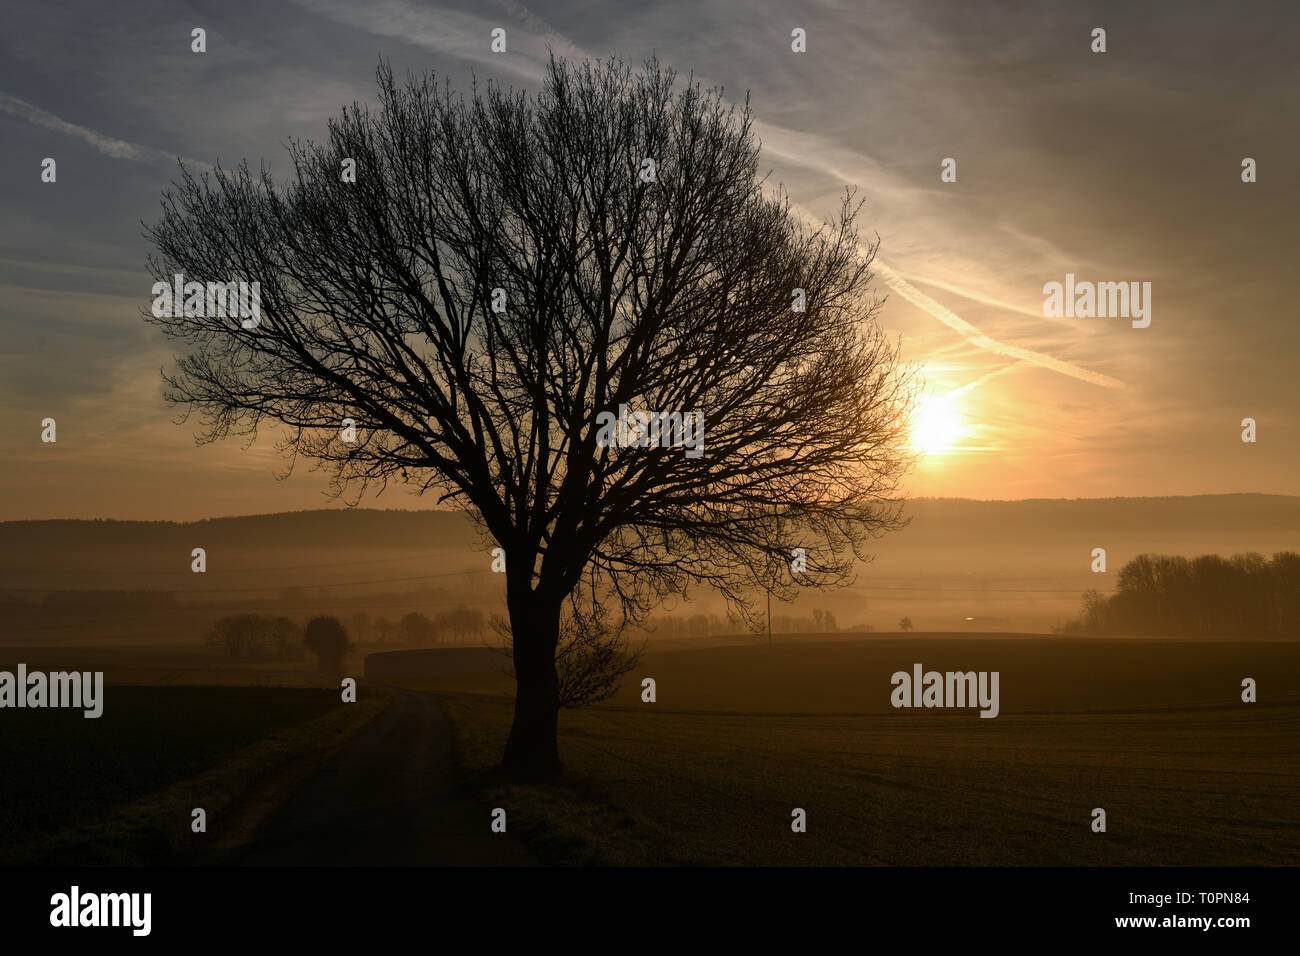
(359, 528)
(1228, 514)
(941, 532)
(293, 549)
(959, 563)
(1045, 533)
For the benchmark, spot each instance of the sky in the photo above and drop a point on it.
(1122, 166)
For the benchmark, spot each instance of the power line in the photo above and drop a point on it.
(283, 567)
(183, 612)
(941, 589)
(273, 587)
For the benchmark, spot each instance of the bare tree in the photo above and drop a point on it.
(418, 628)
(285, 638)
(505, 274)
(327, 638)
(240, 635)
(592, 655)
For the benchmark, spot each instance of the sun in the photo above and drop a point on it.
(937, 425)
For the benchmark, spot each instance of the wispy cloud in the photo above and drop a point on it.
(108, 145)
(449, 32)
(467, 36)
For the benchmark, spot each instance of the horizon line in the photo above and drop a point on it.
(447, 510)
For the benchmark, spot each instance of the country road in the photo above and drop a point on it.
(388, 798)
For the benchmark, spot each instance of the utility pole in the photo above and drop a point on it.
(769, 617)
(769, 593)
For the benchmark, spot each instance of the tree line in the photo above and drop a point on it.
(457, 625)
(712, 625)
(1246, 595)
(271, 637)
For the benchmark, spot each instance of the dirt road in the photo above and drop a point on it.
(388, 798)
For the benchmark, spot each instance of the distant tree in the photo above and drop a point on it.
(384, 627)
(328, 640)
(360, 624)
(460, 623)
(285, 638)
(417, 629)
(256, 636)
(1095, 616)
(1245, 595)
(905, 624)
(240, 636)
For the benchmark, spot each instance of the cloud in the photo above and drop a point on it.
(467, 36)
(831, 159)
(452, 33)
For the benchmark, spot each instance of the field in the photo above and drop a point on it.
(1152, 731)
(741, 734)
(120, 788)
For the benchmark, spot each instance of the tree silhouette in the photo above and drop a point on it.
(507, 268)
(417, 628)
(592, 652)
(328, 640)
(1245, 595)
(255, 636)
(239, 635)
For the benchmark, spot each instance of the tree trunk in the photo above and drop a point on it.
(532, 750)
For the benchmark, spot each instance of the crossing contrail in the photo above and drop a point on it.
(978, 339)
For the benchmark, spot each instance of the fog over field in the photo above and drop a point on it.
(1005, 565)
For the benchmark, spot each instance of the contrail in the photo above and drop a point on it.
(975, 296)
(116, 148)
(541, 26)
(963, 389)
(978, 339)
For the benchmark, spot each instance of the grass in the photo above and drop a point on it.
(120, 789)
(1153, 732)
(561, 822)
